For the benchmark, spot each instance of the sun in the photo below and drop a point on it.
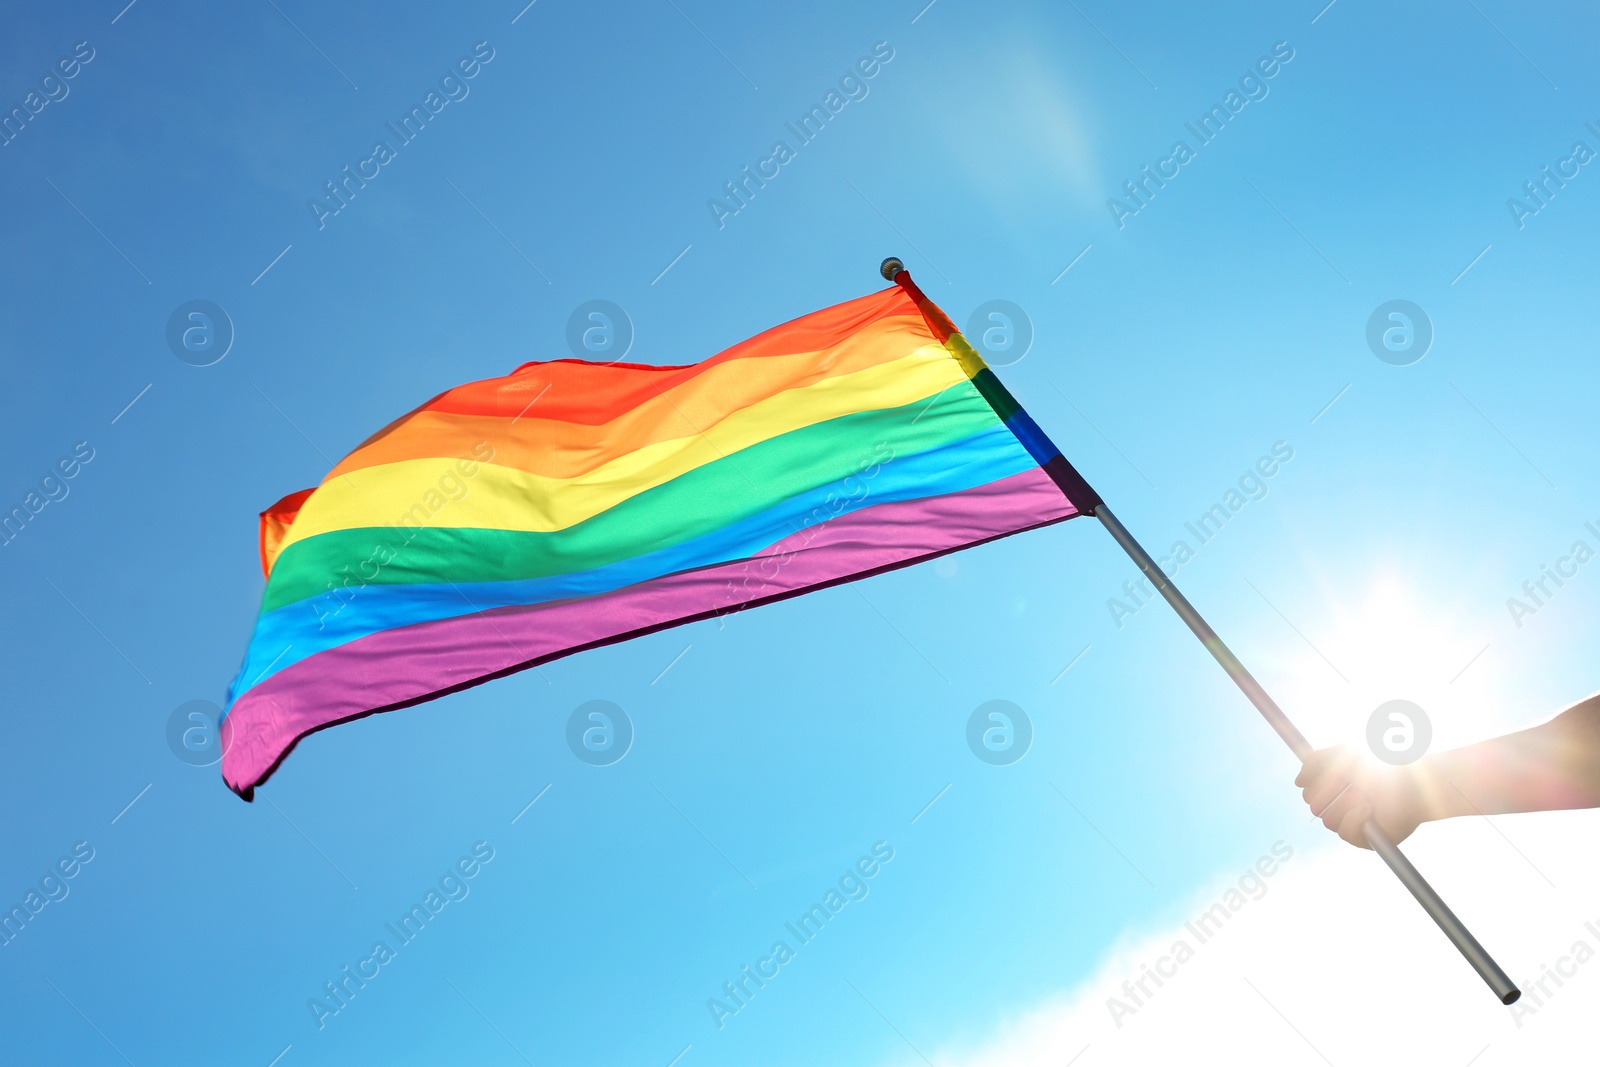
(1383, 641)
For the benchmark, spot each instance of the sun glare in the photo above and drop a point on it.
(1387, 642)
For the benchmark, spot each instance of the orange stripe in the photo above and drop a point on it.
(689, 400)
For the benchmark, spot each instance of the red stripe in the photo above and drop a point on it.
(596, 393)
(936, 319)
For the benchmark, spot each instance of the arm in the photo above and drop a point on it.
(1549, 767)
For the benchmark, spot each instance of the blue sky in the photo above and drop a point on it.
(1228, 314)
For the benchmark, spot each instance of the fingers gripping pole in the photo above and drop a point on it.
(1409, 876)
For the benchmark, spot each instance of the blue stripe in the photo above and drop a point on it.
(1040, 447)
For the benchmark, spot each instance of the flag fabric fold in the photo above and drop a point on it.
(569, 505)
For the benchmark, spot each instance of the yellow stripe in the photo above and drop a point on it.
(436, 493)
(971, 362)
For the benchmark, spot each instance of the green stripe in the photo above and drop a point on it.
(999, 397)
(701, 500)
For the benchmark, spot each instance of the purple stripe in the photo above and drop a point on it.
(403, 666)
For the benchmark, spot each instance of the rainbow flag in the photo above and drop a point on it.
(571, 504)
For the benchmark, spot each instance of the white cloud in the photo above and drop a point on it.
(1335, 963)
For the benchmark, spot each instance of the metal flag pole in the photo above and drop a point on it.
(1402, 867)
(1088, 501)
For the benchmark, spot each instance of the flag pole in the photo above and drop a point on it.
(1402, 867)
(1083, 497)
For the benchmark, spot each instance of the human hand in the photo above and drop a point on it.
(1345, 789)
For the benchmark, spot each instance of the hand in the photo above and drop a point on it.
(1345, 789)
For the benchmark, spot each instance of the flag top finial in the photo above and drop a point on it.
(890, 267)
